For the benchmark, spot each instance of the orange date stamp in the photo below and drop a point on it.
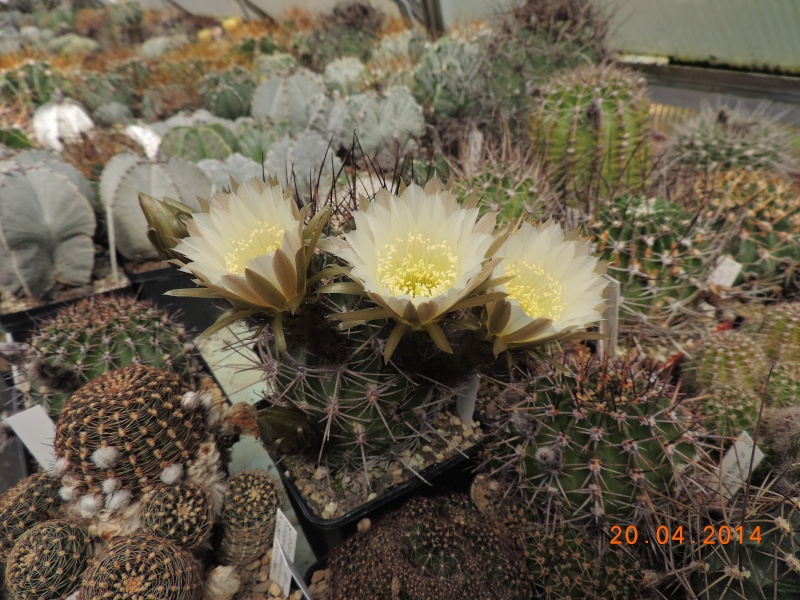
(711, 535)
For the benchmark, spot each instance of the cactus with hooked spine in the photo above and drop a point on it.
(48, 561)
(199, 142)
(142, 567)
(229, 94)
(32, 500)
(248, 516)
(180, 513)
(592, 126)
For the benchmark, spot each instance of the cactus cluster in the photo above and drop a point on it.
(181, 513)
(248, 516)
(32, 500)
(48, 561)
(142, 567)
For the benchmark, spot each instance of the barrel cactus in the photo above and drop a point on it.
(286, 98)
(126, 176)
(779, 332)
(48, 561)
(46, 226)
(142, 567)
(181, 513)
(199, 142)
(248, 516)
(32, 500)
(592, 126)
(229, 94)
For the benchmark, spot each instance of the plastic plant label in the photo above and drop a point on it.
(283, 549)
(725, 273)
(735, 467)
(36, 430)
(295, 574)
(609, 326)
(466, 397)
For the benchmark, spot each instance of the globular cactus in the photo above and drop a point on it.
(32, 500)
(592, 126)
(509, 187)
(229, 94)
(199, 142)
(99, 334)
(350, 29)
(46, 225)
(240, 168)
(126, 19)
(779, 332)
(345, 75)
(598, 446)
(783, 388)
(48, 561)
(142, 567)
(286, 98)
(274, 65)
(254, 140)
(248, 516)
(126, 176)
(303, 163)
(730, 367)
(430, 548)
(94, 89)
(30, 84)
(180, 513)
(448, 78)
(124, 432)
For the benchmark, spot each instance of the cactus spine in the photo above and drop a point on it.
(32, 500)
(181, 513)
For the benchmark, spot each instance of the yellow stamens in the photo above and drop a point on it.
(538, 294)
(264, 238)
(418, 267)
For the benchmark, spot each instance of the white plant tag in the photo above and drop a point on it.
(466, 396)
(725, 273)
(283, 548)
(295, 574)
(609, 326)
(735, 467)
(36, 430)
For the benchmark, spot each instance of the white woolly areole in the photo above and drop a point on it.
(207, 400)
(119, 499)
(110, 485)
(67, 493)
(59, 467)
(206, 471)
(189, 400)
(90, 504)
(105, 457)
(222, 583)
(172, 473)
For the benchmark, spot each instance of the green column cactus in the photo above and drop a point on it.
(48, 561)
(229, 94)
(34, 499)
(592, 127)
(180, 513)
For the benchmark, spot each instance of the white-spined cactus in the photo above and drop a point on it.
(125, 176)
(286, 98)
(301, 162)
(46, 228)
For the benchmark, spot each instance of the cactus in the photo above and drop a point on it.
(731, 367)
(142, 567)
(32, 500)
(235, 166)
(430, 548)
(274, 65)
(229, 94)
(255, 140)
(126, 176)
(449, 77)
(609, 443)
(118, 433)
(345, 75)
(180, 513)
(164, 100)
(202, 141)
(304, 163)
(31, 84)
(126, 20)
(780, 332)
(350, 29)
(98, 334)
(93, 89)
(46, 226)
(47, 561)
(248, 517)
(592, 126)
(783, 388)
(287, 98)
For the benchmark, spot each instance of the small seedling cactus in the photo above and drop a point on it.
(32, 500)
(48, 561)
(181, 513)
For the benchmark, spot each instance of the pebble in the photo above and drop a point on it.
(253, 565)
(427, 449)
(260, 587)
(275, 590)
(331, 507)
(317, 576)
(263, 576)
(364, 525)
(321, 473)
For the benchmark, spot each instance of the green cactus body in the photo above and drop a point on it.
(93, 89)
(181, 513)
(510, 190)
(199, 142)
(780, 332)
(119, 432)
(731, 367)
(592, 126)
(229, 94)
(142, 567)
(783, 388)
(31, 84)
(303, 163)
(48, 561)
(601, 445)
(248, 516)
(254, 140)
(32, 500)
(286, 98)
(99, 334)
(350, 29)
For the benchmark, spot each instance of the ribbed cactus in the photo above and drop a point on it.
(430, 548)
(99, 334)
(142, 567)
(31, 84)
(255, 140)
(303, 163)
(779, 332)
(240, 168)
(600, 445)
(350, 29)
(286, 98)
(199, 142)
(345, 75)
(783, 388)
(592, 126)
(126, 176)
(118, 433)
(511, 188)
(248, 516)
(274, 65)
(731, 368)
(48, 561)
(180, 513)
(32, 500)
(46, 225)
(229, 94)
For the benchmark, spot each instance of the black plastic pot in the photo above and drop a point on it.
(324, 534)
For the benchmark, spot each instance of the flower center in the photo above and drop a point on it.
(418, 267)
(538, 294)
(264, 238)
